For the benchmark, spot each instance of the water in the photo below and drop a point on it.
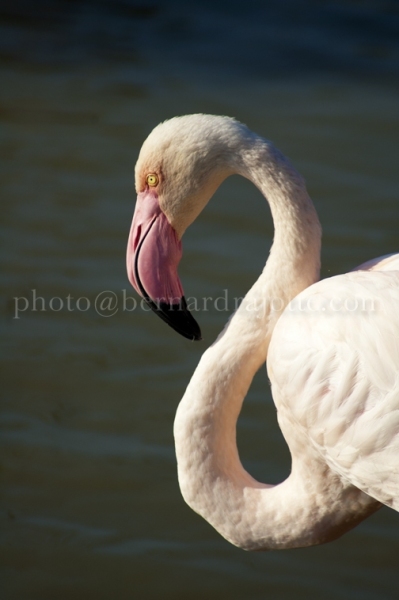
(90, 501)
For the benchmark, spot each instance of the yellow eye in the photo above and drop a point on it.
(152, 179)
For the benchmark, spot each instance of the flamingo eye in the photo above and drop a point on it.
(152, 179)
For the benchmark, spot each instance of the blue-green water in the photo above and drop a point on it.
(90, 502)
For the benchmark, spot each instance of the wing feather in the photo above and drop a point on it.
(334, 365)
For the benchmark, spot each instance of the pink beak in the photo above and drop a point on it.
(153, 255)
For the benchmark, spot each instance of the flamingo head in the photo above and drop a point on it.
(181, 164)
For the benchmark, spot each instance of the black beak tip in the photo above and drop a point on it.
(179, 318)
(195, 334)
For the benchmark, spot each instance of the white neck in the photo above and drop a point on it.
(212, 479)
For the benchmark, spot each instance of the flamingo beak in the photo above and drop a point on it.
(153, 255)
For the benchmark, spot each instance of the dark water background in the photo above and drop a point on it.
(90, 504)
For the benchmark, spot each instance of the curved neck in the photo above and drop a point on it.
(212, 480)
(294, 260)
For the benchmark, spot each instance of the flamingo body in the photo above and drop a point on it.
(334, 366)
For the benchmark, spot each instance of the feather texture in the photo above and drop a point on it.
(336, 371)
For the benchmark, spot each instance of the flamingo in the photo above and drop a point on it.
(332, 347)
